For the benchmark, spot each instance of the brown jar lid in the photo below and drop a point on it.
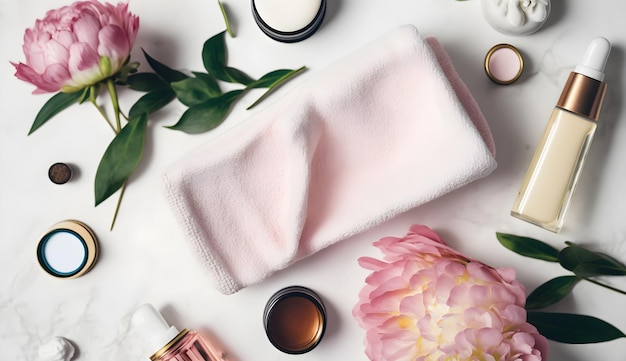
(60, 173)
(295, 320)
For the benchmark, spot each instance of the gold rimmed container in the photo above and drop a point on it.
(69, 249)
(504, 64)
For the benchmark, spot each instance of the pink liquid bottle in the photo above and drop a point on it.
(168, 343)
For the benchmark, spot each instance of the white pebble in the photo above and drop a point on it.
(57, 349)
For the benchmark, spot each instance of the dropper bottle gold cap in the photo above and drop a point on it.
(582, 95)
(585, 88)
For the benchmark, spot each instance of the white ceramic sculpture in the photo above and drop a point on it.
(516, 17)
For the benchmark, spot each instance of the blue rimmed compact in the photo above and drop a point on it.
(289, 21)
(69, 249)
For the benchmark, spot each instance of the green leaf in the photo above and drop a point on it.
(86, 93)
(151, 102)
(211, 84)
(572, 256)
(228, 28)
(54, 106)
(599, 268)
(270, 78)
(208, 115)
(551, 292)
(528, 247)
(233, 75)
(214, 53)
(572, 328)
(146, 82)
(273, 81)
(120, 158)
(129, 68)
(214, 58)
(168, 74)
(586, 263)
(193, 91)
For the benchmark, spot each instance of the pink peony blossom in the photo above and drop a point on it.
(428, 302)
(77, 46)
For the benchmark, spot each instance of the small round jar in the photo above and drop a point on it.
(60, 173)
(504, 64)
(289, 21)
(295, 320)
(69, 249)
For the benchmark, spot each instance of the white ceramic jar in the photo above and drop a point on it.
(516, 17)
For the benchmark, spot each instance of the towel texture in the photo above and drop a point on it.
(384, 130)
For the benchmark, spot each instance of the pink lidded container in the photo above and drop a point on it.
(504, 64)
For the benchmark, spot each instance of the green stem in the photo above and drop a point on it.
(118, 123)
(117, 206)
(92, 99)
(116, 104)
(229, 30)
(604, 285)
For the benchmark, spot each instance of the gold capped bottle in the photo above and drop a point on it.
(554, 171)
(169, 344)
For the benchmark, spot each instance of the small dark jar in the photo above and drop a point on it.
(295, 320)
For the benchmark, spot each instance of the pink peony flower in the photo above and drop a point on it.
(77, 46)
(428, 302)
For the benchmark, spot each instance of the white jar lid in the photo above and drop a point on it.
(289, 20)
(288, 15)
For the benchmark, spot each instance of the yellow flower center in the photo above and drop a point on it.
(405, 322)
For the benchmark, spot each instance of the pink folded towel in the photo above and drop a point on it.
(385, 130)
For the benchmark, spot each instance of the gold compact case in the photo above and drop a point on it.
(69, 249)
(295, 320)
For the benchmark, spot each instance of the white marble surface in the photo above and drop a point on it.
(145, 259)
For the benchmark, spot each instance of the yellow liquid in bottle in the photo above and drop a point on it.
(554, 170)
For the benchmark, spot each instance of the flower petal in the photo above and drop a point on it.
(65, 38)
(86, 28)
(371, 263)
(114, 44)
(55, 76)
(83, 64)
(55, 53)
